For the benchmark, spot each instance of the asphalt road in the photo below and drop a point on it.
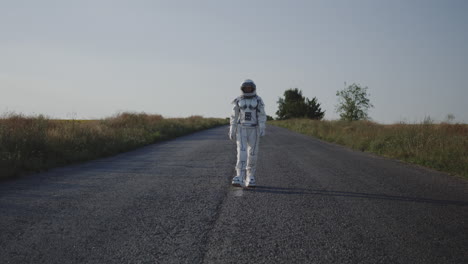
(172, 203)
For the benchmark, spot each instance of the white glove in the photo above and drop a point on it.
(232, 134)
(262, 131)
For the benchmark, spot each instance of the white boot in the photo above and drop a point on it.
(252, 183)
(250, 179)
(239, 180)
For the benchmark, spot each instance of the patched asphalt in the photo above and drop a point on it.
(172, 202)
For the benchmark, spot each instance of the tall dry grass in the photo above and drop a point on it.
(38, 143)
(442, 147)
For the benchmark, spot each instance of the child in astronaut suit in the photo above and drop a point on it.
(247, 125)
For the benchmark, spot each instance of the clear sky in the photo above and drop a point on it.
(94, 58)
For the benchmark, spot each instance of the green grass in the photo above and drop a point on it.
(443, 147)
(37, 143)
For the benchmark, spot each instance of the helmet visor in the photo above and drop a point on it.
(248, 88)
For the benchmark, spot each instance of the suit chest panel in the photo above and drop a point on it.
(248, 104)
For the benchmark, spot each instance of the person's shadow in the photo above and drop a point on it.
(302, 191)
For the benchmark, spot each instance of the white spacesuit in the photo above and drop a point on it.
(248, 120)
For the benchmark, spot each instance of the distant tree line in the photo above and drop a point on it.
(353, 104)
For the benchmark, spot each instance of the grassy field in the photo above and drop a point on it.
(442, 147)
(36, 143)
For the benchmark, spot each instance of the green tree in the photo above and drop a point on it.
(295, 105)
(353, 103)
